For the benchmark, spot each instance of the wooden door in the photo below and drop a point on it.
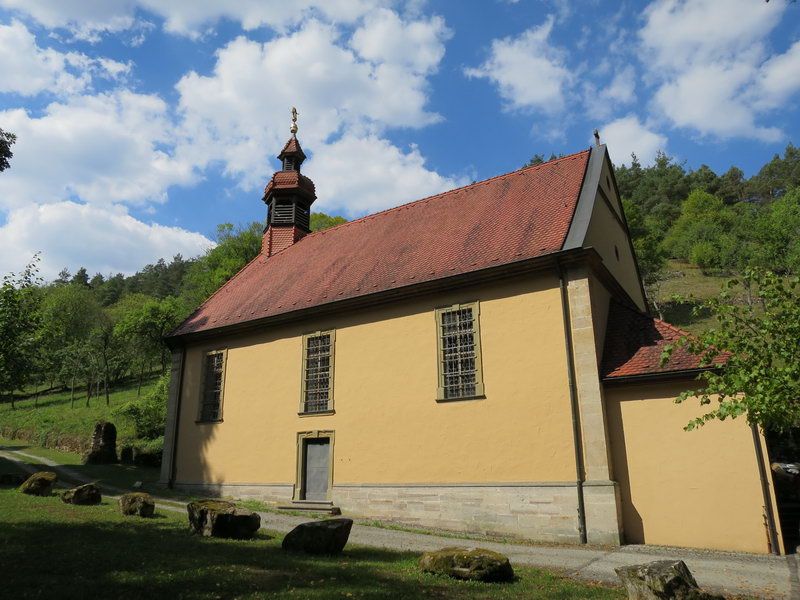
(316, 469)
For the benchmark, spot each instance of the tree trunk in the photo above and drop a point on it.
(141, 376)
(105, 387)
(88, 391)
(13, 406)
(72, 392)
(36, 396)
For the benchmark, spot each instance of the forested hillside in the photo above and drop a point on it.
(90, 333)
(691, 224)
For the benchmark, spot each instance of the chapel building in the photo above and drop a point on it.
(482, 360)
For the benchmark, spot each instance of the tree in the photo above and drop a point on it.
(320, 221)
(7, 139)
(150, 323)
(81, 277)
(19, 300)
(759, 342)
(538, 159)
(235, 248)
(69, 313)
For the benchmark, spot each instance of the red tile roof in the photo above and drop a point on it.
(292, 146)
(289, 180)
(513, 217)
(634, 343)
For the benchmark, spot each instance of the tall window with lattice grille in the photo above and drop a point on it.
(459, 342)
(213, 386)
(318, 353)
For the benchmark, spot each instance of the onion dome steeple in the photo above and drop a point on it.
(288, 196)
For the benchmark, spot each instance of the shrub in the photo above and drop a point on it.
(149, 413)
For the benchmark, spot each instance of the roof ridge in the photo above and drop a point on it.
(450, 191)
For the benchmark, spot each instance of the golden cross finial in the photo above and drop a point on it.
(294, 121)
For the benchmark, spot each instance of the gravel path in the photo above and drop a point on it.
(761, 576)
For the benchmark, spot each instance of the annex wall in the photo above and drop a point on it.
(503, 463)
(698, 489)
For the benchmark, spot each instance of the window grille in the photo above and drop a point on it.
(318, 372)
(288, 164)
(459, 352)
(212, 386)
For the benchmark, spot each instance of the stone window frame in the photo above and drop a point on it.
(203, 373)
(480, 391)
(331, 370)
(302, 436)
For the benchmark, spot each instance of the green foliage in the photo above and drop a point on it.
(320, 221)
(538, 159)
(19, 301)
(235, 248)
(148, 413)
(146, 325)
(7, 139)
(761, 378)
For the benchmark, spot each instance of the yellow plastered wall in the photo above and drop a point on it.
(388, 426)
(698, 489)
(606, 232)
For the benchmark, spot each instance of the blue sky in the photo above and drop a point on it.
(143, 124)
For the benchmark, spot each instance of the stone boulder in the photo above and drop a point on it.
(138, 504)
(39, 484)
(104, 445)
(218, 518)
(14, 479)
(319, 537)
(474, 564)
(83, 495)
(662, 580)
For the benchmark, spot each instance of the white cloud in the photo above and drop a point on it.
(711, 63)
(85, 19)
(677, 32)
(418, 45)
(239, 113)
(620, 91)
(102, 239)
(529, 72)
(27, 69)
(711, 98)
(90, 19)
(779, 78)
(628, 135)
(105, 148)
(386, 176)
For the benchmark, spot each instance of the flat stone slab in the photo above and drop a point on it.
(39, 484)
(472, 564)
(139, 504)
(83, 495)
(218, 518)
(328, 536)
(662, 580)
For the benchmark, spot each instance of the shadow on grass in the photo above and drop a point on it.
(684, 312)
(128, 560)
(13, 448)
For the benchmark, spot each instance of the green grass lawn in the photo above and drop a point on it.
(49, 549)
(691, 284)
(52, 422)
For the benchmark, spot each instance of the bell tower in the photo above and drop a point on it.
(288, 196)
